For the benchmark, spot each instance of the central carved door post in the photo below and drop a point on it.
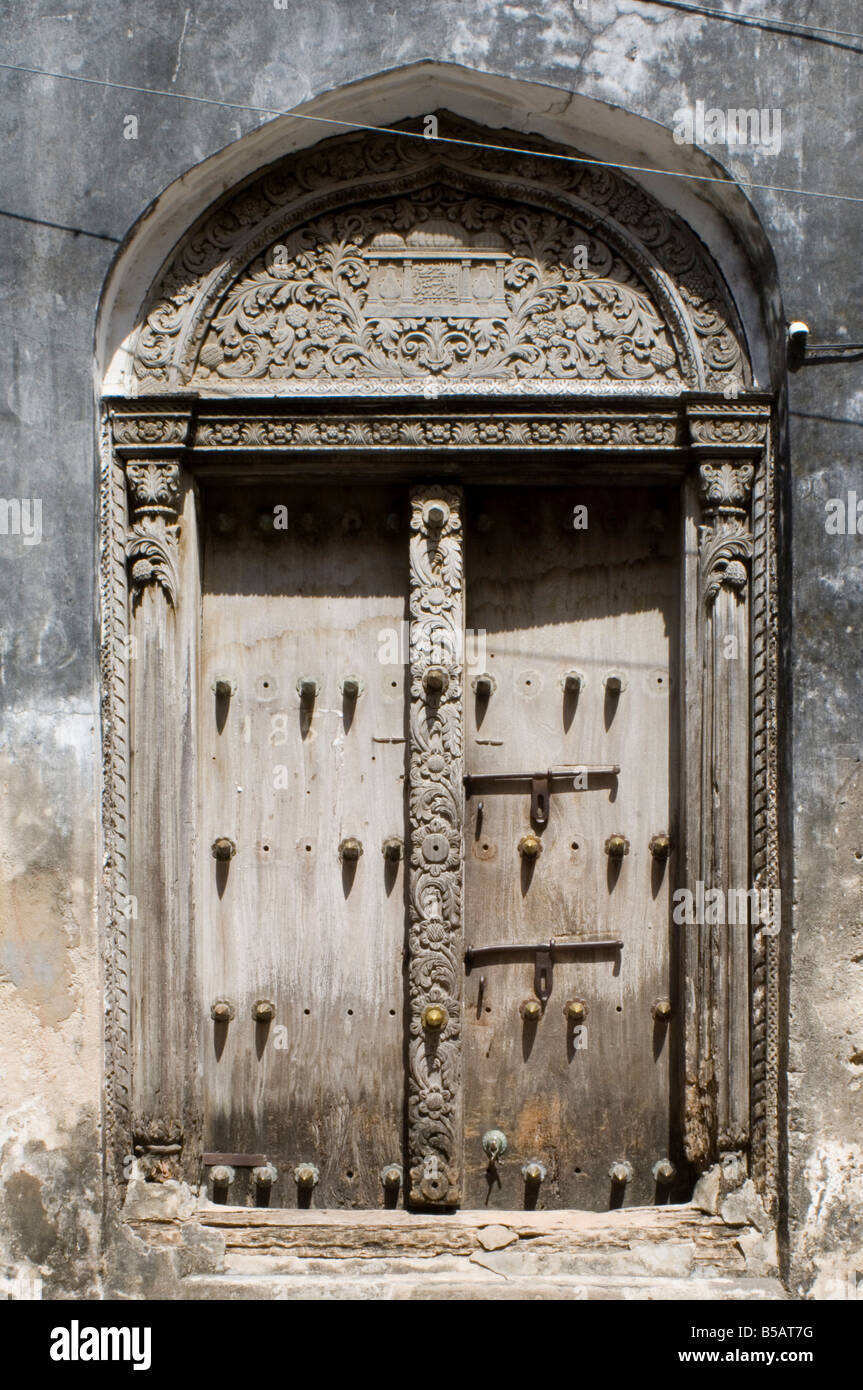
(164, 616)
(727, 442)
(436, 806)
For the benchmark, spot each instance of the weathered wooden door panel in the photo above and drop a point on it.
(548, 600)
(288, 778)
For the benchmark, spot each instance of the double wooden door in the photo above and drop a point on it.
(568, 1049)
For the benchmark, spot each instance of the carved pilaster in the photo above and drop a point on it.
(726, 441)
(150, 440)
(436, 801)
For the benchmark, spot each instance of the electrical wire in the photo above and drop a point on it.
(439, 139)
(797, 28)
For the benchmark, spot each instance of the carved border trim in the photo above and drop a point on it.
(160, 431)
(435, 871)
(588, 430)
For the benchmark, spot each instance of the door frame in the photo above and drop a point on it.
(154, 451)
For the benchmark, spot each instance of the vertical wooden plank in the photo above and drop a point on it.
(436, 809)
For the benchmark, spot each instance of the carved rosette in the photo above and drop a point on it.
(436, 799)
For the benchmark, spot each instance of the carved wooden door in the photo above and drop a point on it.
(303, 780)
(324, 1076)
(569, 1049)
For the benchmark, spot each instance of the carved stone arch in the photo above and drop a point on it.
(279, 284)
(633, 365)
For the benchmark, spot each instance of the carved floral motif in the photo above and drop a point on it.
(474, 288)
(725, 541)
(462, 268)
(153, 536)
(436, 606)
(595, 431)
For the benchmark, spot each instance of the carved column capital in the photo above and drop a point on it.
(150, 438)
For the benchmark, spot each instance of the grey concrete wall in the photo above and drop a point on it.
(72, 188)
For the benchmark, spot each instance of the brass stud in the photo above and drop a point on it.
(223, 848)
(530, 846)
(664, 1172)
(534, 1172)
(223, 688)
(660, 847)
(435, 680)
(265, 1175)
(434, 1018)
(392, 849)
(572, 682)
(620, 1173)
(352, 687)
(350, 849)
(263, 1011)
(575, 1010)
(308, 689)
(662, 1010)
(222, 1175)
(531, 1010)
(484, 685)
(435, 516)
(306, 1175)
(392, 1176)
(616, 846)
(222, 1011)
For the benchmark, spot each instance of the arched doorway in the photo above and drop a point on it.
(449, 560)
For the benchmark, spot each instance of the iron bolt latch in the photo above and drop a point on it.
(263, 1011)
(620, 1173)
(306, 1175)
(534, 1172)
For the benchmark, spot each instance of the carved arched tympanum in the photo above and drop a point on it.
(372, 261)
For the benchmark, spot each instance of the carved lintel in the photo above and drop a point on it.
(436, 799)
(157, 1143)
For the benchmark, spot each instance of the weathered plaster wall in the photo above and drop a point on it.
(73, 187)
